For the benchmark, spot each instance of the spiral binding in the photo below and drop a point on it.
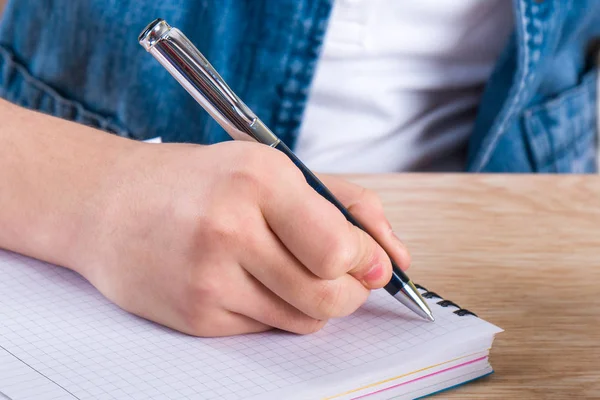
(461, 312)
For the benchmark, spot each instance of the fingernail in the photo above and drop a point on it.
(374, 273)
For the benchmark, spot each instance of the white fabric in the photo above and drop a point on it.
(398, 84)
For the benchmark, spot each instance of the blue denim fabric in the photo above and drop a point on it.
(539, 109)
(80, 60)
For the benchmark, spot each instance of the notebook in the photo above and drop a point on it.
(61, 339)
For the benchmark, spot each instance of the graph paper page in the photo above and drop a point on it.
(85, 347)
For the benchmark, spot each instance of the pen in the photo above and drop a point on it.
(175, 52)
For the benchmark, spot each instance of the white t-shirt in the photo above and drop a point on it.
(398, 84)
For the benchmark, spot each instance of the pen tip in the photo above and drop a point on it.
(410, 297)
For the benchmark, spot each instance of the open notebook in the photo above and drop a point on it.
(60, 339)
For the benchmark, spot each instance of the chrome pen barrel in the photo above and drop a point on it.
(177, 54)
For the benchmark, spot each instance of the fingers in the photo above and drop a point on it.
(221, 323)
(366, 207)
(280, 272)
(319, 236)
(231, 323)
(261, 304)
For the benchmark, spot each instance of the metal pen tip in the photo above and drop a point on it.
(411, 298)
(430, 318)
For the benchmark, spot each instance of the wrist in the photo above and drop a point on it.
(51, 171)
(97, 194)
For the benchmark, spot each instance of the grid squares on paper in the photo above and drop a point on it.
(19, 381)
(60, 325)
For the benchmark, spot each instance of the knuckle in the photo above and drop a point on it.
(328, 300)
(198, 308)
(205, 290)
(358, 298)
(216, 229)
(370, 197)
(264, 171)
(195, 319)
(248, 177)
(199, 325)
(337, 261)
(251, 161)
(258, 169)
(264, 158)
(203, 227)
(207, 325)
(204, 285)
(373, 253)
(286, 170)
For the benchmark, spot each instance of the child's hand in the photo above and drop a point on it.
(228, 239)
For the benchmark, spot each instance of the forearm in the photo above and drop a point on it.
(51, 174)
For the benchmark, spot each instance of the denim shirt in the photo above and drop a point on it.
(80, 60)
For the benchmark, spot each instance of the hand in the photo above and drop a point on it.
(229, 239)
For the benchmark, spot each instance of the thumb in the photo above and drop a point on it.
(365, 205)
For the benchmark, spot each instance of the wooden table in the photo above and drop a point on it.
(523, 252)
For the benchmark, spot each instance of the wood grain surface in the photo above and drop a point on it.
(523, 252)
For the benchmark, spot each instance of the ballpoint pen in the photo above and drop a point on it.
(175, 52)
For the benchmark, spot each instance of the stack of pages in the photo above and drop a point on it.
(61, 339)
